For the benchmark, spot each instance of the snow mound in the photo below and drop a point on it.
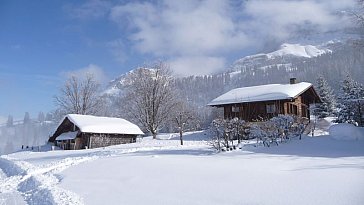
(345, 131)
(306, 51)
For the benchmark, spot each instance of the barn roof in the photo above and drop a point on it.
(261, 93)
(110, 125)
(67, 136)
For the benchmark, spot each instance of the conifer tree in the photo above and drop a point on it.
(41, 117)
(351, 102)
(10, 121)
(26, 118)
(328, 105)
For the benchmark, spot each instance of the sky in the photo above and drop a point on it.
(43, 42)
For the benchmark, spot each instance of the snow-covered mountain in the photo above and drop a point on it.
(284, 56)
(306, 62)
(298, 50)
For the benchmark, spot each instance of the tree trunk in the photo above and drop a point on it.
(154, 135)
(180, 136)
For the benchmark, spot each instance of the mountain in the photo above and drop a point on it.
(332, 59)
(284, 57)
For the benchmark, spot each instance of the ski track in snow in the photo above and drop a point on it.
(37, 185)
(24, 183)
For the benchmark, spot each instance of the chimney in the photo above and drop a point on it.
(292, 81)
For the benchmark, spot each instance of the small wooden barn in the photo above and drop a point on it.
(85, 131)
(266, 101)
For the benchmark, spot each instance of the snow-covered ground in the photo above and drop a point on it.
(318, 170)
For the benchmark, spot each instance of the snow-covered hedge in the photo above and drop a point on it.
(346, 131)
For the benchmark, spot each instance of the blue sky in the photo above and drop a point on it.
(42, 41)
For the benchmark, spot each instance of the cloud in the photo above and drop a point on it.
(282, 19)
(96, 71)
(117, 49)
(198, 65)
(182, 27)
(90, 10)
(188, 32)
(178, 30)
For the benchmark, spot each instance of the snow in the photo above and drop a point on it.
(345, 131)
(261, 93)
(94, 124)
(314, 170)
(112, 91)
(288, 49)
(307, 51)
(67, 136)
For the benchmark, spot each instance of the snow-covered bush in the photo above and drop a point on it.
(217, 130)
(345, 131)
(257, 132)
(275, 130)
(224, 132)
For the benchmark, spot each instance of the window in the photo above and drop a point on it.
(292, 109)
(271, 108)
(235, 109)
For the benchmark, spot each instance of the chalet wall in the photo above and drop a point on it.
(253, 111)
(93, 140)
(103, 140)
(256, 111)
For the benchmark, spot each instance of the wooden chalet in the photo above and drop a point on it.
(266, 101)
(86, 131)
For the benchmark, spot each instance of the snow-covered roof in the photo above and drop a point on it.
(110, 125)
(261, 93)
(67, 136)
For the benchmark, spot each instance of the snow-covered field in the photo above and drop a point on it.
(319, 170)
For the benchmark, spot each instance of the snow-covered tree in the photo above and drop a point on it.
(149, 97)
(10, 121)
(41, 117)
(183, 114)
(49, 117)
(79, 96)
(217, 129)
(351, 102)
(328, 105)
(26, 118)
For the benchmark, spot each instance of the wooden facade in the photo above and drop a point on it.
(85, 140)
(263, 110)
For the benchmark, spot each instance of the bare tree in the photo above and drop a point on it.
(149, 96)
(359, 14)
(79, 96)
(183, 115)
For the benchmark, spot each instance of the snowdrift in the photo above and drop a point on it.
(345, 131)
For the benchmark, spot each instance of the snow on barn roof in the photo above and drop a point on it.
(110, 125)
(67, 136)
(261, 93)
